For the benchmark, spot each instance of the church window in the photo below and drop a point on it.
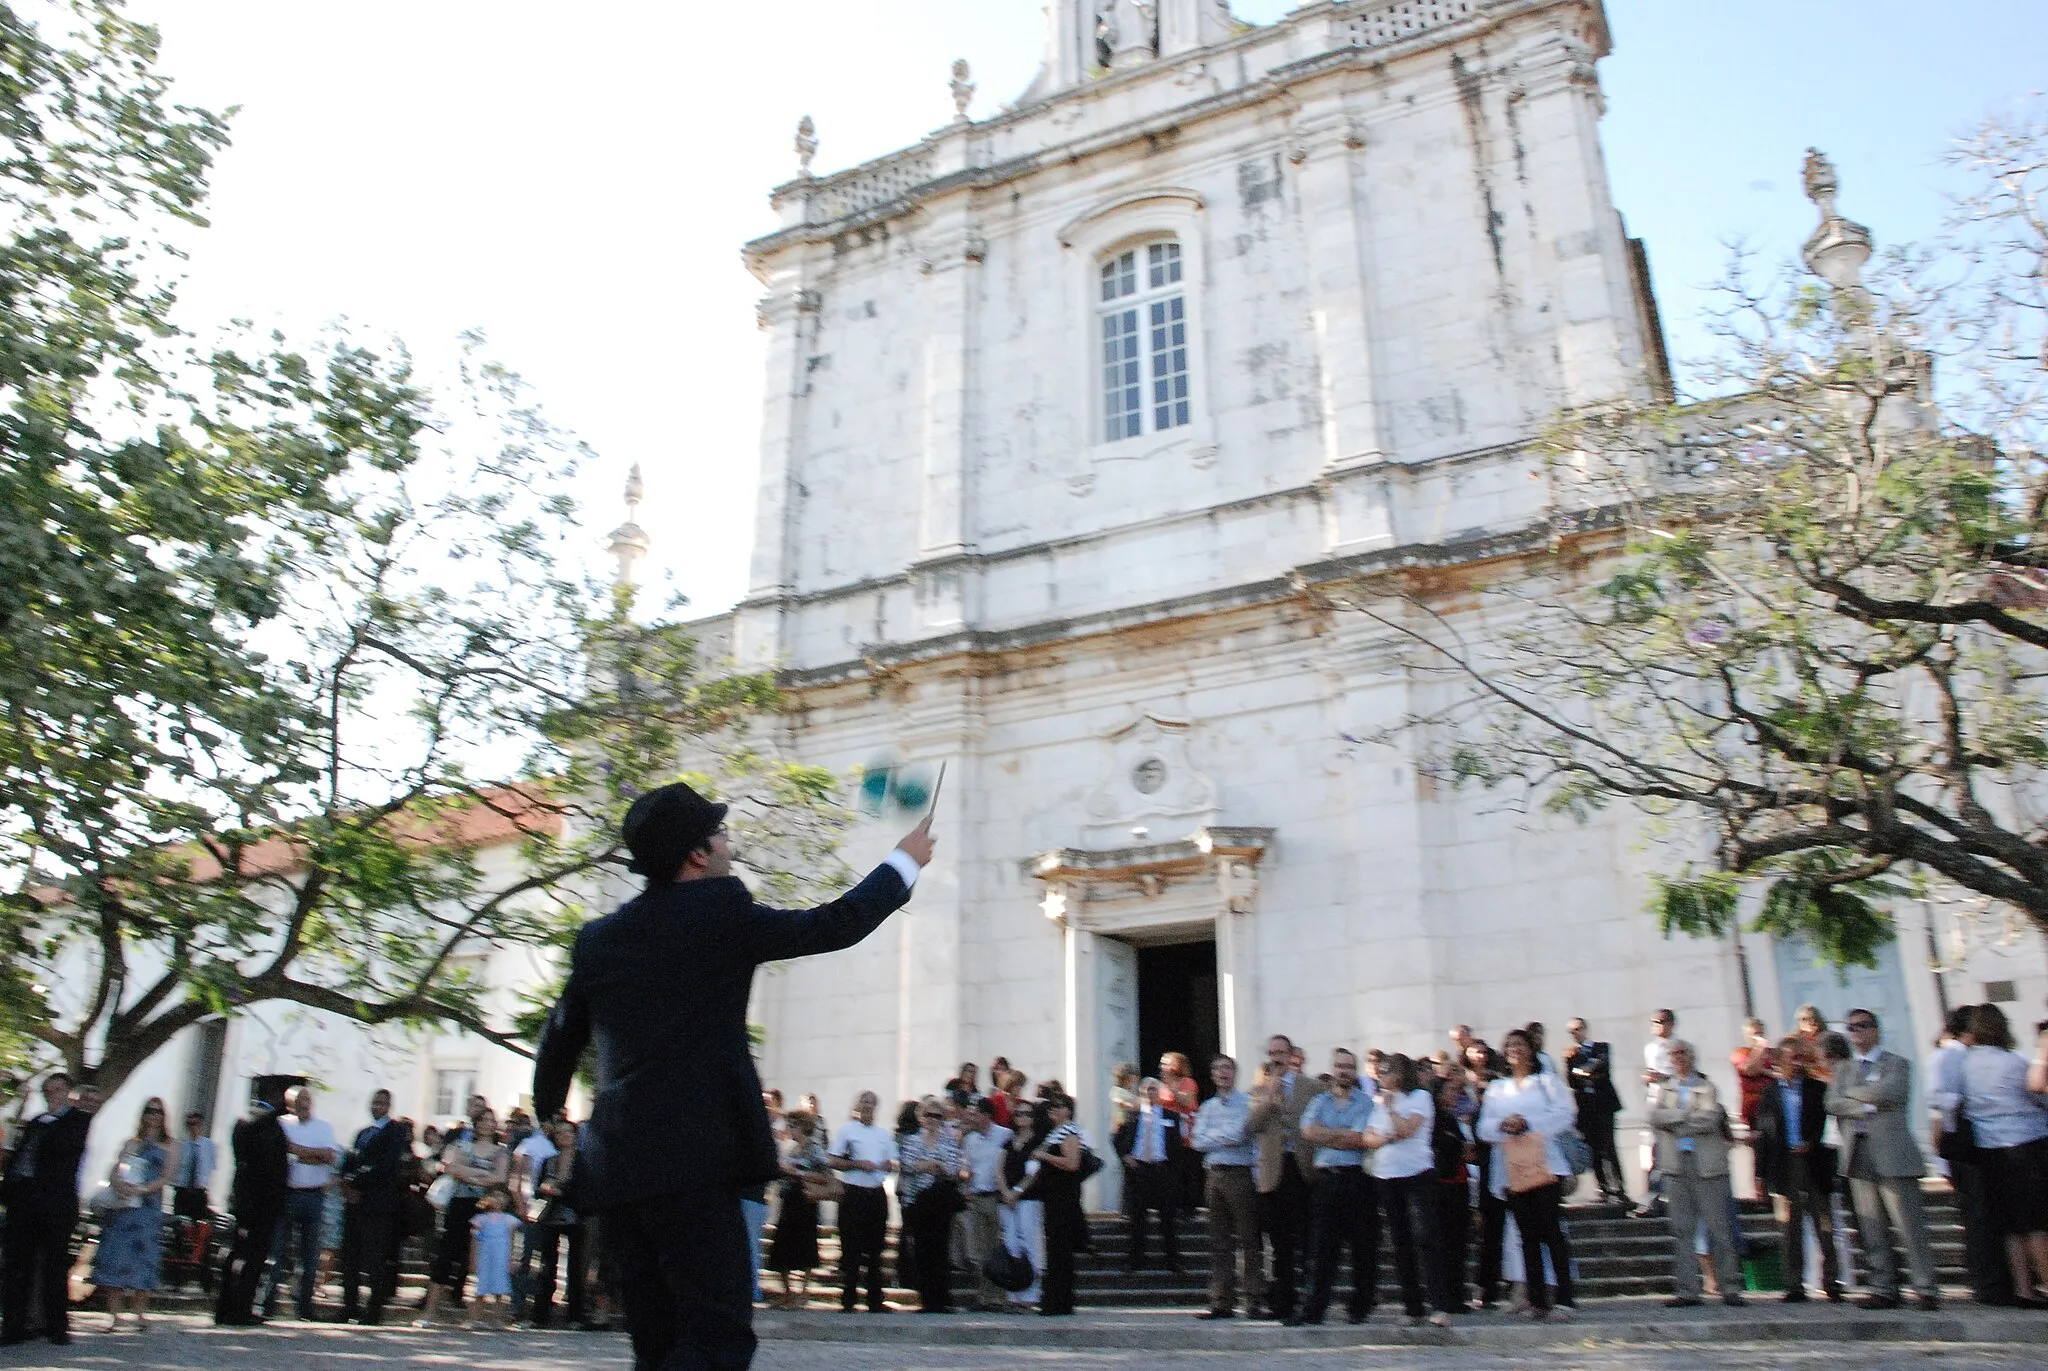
(1144, 339)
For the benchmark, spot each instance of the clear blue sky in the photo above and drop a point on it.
(577, 180)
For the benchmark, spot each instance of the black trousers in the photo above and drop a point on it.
(1408, 1204)
(551, 1240)
(1453, 1239)
(931, 1263)
(686, 1279)
(1344, 1214)
(1283, 1215)
(247, 1256)
(1597, 1126)
(37, 1257)
(1536, 1214)
(370, 1235)
(1493, 1226)
(1065, 1230)
(1151, 1186)
(863, 1228)
(1983, 1245)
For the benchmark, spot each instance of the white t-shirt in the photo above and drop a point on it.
(864, 1142)
(309, 1133)
(534, 1151)
(1412, 1155)
(983, 1154)
(1657, 1057)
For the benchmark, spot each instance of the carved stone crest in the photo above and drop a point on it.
(1150, 782)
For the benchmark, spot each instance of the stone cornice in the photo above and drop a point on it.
(1265, 88)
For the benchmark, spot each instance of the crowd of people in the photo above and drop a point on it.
(493, 1209)
(1458, 1162)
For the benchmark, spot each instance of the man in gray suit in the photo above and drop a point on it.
(1883, 1164)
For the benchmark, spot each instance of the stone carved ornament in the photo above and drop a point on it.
(1148, 782)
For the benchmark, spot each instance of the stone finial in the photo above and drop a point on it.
(963, 89)
(1821, 183)
(629, 541)
(1839, 247)
(806, 144)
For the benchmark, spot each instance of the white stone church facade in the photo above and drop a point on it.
(1071, 411)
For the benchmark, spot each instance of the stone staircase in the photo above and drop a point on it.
(1615, 1255)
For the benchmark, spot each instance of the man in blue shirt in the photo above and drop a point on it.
(1342, 1208)
(1795, 1164)
(1222, 1136)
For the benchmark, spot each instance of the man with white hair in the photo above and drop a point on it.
(1692, 1157)
(314, 1151)
(1151, 1144)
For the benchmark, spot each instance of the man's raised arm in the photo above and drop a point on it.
(780, 934)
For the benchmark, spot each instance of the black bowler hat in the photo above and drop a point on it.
(666, 825)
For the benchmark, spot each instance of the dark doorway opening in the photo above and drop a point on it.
(1177, 1007)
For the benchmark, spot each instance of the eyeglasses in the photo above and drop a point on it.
(152, 1110)
(1862, 1025)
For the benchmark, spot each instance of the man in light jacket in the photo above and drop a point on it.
(1692, 1155)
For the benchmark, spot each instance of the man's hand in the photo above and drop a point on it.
(918, 843)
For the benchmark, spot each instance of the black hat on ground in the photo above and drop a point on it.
(666, 825)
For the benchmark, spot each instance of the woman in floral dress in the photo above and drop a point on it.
(129, 1262)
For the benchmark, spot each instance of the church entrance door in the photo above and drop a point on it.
(1177, 1007)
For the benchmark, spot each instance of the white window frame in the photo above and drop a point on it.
(1134, 221)
(1142, 330)
(439, 1115)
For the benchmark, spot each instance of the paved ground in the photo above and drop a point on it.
(1643, 1339)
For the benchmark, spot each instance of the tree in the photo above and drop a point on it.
(276, 623)
(1807, 616)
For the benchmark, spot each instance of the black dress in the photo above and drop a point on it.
(1066, 1230)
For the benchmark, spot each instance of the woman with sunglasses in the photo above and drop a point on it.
(928, 1191)
(1023, 1216)
(129, 1263)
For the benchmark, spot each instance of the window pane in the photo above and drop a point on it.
(1169, 340)
(1122, 402)
(1162, 264)
(1120, 276)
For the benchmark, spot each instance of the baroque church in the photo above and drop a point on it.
(1074, 416)
(1082, 422)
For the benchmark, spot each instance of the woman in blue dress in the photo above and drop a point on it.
(130, 1258)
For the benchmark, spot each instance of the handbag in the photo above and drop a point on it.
(1528, 1162)
(441, 1191)
(940, 1198)
(1009, 1271)
(820, 1187)
(1090, 1162)
(1578, 1153)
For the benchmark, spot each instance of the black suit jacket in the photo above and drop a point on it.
(262, 1166)
(662, 986)
(1774, 1155)
(375, 1166)
(1125, 1139)
(57, 1147)
(1592, 1077)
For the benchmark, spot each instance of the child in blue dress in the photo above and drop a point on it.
(491, 1257)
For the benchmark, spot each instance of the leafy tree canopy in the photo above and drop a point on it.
(1807, 615)
(277, 622)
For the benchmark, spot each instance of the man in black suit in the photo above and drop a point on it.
(678, 1129)
(41, 1190)
(1794, 1164)
(1590, 1066)
(373, 1183)
(262, 1175)
(1151, 1145)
